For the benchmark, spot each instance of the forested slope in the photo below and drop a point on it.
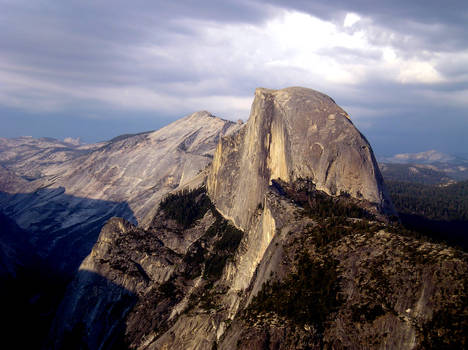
(438, 211)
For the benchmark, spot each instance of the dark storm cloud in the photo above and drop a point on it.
(91, 39)
(129, 60)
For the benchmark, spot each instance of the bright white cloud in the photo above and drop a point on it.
(351, 19)
(320, 49)
(418, 72)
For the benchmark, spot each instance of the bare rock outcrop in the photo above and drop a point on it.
(291, 134)
(135, 290)
(350, 284)
(125, 262)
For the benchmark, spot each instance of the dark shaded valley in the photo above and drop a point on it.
(438, 211)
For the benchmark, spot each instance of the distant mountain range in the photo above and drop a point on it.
(430, 167)
(427, 157)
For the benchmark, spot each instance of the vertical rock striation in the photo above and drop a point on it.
(293, 133)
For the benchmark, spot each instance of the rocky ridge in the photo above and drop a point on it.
(63, 194)
(283, 242)
(32, 158)
(285, 249)
(330, 277)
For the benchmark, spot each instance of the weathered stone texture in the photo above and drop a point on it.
(291, 134)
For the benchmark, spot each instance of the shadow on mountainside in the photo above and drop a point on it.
(453, 233)
(29, 292)
(62, 228)
(35, 314)
(92, 314)
(28, 303)
(439, 212)
(104, 314)
(41, 257)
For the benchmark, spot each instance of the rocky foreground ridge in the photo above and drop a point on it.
(283, 242)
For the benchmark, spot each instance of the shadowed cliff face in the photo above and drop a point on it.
(13, 247)
(30, 290)
(37, 264)
(61, 229)
(97, 323)
(152, 286)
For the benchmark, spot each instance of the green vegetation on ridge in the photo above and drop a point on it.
(187, 206)
(436, 211)
(306, 296)
(318, 204)
(449, 203)
(357, 270)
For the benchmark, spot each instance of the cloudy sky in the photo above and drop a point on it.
(96, 69)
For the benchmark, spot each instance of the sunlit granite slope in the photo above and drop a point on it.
(63, 194)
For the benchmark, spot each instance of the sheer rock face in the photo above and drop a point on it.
(293, 133)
